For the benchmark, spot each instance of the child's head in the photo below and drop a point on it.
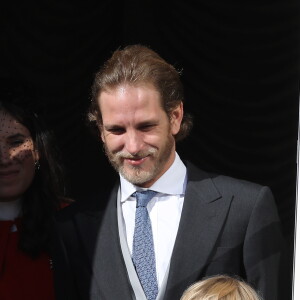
(220, 287)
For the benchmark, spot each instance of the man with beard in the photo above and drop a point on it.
(167, 223)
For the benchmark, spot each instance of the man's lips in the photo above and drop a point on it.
(135, 161)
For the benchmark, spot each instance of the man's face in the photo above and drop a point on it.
(137, 133)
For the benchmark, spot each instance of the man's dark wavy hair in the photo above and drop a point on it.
(45, 194)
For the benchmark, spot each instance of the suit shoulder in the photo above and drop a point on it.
(227, 185)
(247, 196)
(232, 183)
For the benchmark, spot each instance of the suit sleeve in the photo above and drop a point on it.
(264, 247)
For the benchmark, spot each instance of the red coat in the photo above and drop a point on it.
(22, 277)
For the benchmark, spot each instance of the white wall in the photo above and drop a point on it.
(296, 283)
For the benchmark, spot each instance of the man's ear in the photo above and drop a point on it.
(176, 118)
(100, 127)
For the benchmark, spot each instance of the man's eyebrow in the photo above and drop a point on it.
(112, 126)
(148, 122)
(140, 124)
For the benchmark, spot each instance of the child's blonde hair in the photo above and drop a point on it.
(220, 287)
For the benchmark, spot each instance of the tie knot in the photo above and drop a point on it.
(143, 197)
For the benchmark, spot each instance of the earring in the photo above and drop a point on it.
(37, 165)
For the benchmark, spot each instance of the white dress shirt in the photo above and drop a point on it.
(164, 211)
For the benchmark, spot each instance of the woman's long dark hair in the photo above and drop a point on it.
(44, 196)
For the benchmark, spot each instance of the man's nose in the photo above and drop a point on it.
(133, 142)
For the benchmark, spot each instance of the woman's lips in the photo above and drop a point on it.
(8, 174)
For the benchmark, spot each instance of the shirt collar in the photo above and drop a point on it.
(172, 182)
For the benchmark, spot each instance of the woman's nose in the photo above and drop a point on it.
(5, 155)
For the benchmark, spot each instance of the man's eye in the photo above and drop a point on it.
(116, 130)
(146, 127)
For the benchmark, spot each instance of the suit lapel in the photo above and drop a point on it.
(203, 215)
(100, 237)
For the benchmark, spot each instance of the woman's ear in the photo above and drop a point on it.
(36, 155)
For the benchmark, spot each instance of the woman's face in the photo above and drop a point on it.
(17, 158)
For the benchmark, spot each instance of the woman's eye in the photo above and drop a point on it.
(16, 143)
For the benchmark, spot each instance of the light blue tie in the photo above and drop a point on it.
(143, 255)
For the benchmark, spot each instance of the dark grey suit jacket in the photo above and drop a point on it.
(227, 226)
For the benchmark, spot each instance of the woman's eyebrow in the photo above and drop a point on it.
(17, 135)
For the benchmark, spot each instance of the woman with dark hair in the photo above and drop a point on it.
(31, 189)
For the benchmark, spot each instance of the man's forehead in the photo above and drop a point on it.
(123, 87)
(129, 93)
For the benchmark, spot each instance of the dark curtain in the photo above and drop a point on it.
(240, 68)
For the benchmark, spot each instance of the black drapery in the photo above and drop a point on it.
(240, 69)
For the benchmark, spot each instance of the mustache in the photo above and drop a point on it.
(138, 155)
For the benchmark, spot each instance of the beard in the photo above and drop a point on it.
(140, 175)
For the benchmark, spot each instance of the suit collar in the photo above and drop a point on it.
(201, 180)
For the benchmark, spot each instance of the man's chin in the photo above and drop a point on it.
(137, 176)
